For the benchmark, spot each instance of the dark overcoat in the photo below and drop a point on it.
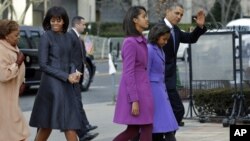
(55, 104)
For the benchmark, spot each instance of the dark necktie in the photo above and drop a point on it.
(81, 43)
(173, 35)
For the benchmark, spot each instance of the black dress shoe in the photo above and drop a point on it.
(181, 123)
(91, 127)
(89, 136)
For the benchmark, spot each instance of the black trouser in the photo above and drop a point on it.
(81, 80)
(83, 131)
(170, 136)
(157, 137)
(177, 105)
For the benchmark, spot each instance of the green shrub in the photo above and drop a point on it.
(186, 27)
(106, 29)
(217, 101)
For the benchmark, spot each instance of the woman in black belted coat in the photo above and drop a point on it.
(55, 104)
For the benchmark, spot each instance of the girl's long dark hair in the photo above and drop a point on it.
(156, 31)
(128, 23)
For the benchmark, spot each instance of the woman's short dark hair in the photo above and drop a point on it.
(7, 26)
(156, 31)
(59, 12)
(128, 23)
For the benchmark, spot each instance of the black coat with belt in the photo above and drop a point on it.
(171, 52)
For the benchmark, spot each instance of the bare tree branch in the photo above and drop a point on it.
(22, 17)
(226, 11)
(237, 9)
(4, 6)
(124, 5)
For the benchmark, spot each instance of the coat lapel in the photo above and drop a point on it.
(159, 52)
(80, 41)
(7, 45)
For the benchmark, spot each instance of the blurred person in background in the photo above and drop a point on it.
(89, 46)
(79, 57)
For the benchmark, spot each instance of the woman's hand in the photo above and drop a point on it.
(22, 88)
(135, 108)
(20, 58)
(74, 78)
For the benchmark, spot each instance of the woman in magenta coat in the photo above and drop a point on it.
(134, 105)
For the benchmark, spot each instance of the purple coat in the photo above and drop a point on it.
(164, 119)
(134, 84)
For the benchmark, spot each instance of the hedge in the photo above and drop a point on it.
(219, 101)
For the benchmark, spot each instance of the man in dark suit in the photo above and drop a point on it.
(78, 58)
(173, 14)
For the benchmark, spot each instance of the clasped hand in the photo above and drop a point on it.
(74, 77)
(20, 58)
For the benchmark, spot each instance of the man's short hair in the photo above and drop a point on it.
(172, 5)
(76, 20)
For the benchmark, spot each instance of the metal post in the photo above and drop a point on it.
(113, 88)
(112, 67)
(191, 107)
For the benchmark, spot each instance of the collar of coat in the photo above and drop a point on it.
(9, 46)
(140, 39)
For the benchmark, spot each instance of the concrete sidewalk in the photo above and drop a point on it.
(101, 114)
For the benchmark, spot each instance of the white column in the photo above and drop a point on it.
(86, 9)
